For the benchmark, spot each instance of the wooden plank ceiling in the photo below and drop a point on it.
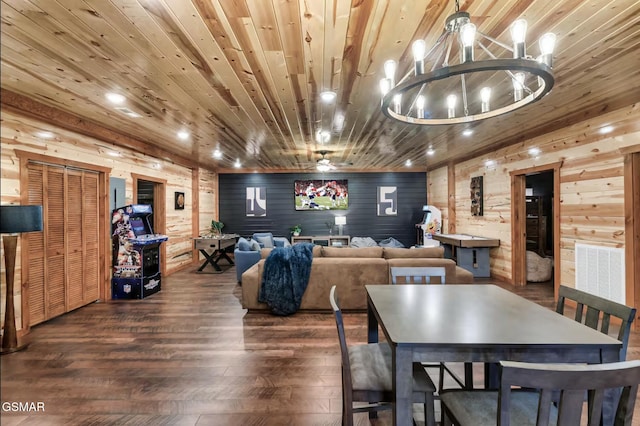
(244, 76)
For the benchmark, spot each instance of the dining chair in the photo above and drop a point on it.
(367, 376)
(508, 406)
(426, 275)
(417, 274)
(598, 313)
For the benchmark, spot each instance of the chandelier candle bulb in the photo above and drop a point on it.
(419, 49)
(397, 103)
(518, 34)
(385, 86)
(547, 44)
(451, 105)
(467, 38)
(485, 97)
(420, 103)
(518, 86)
(390, 70)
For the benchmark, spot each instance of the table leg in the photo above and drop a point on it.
(402, 379)
(372, 324)
(209, 260)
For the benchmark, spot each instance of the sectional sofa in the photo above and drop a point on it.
(350, 269)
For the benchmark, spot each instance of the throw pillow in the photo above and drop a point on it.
(243, 244)
(255, 246)
(266, 242)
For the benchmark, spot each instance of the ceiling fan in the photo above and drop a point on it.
(324, 164)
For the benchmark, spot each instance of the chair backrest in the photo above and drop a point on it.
(598, 313)
(572, 380)
(417, 274)
(347, 386)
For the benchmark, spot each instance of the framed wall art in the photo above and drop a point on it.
(179, 200)
(476, 196)
(256, 201)
(387, 201)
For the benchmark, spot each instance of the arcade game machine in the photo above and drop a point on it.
(135, 252)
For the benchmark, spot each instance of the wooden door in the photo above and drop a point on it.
(64, 258)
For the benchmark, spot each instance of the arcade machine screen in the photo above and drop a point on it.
(137, 226)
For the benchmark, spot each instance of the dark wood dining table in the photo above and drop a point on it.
(477, 323)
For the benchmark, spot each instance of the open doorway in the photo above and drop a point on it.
(542, 238)
(539, 227)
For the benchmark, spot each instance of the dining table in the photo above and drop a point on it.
(475, 323)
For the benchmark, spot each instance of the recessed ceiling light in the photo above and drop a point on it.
(338, 122)
(606, 129)
(408, 163)
(327, 96)
(217, 154)
(323, 136)
(490, 163)
(114, 154)
(44, 134)
(467, 132)
(183, 135)
(237, 164)
(115, 98)
(534, 151)
(431, 151)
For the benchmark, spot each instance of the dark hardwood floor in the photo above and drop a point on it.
(189, 355)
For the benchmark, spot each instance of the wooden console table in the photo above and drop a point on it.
(469, 252)
(214, 249)
(324, 240)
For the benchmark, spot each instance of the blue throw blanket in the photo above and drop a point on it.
(285, 278)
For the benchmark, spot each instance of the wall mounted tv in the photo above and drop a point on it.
(318, 194)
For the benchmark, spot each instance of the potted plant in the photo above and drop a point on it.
(216, 227)
(296, 230)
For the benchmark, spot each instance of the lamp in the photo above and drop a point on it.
(340, 221)
(14, 220)
(485, 86)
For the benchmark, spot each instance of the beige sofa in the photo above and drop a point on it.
(350, 269)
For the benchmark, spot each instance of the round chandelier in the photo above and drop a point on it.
(488, 87)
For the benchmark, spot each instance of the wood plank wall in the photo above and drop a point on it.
(591, 187)
(19, 132)
(362, 218)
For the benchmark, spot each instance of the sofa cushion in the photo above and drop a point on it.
(264, 238)
(352, 252)
(358, 242)
(243, 244)
(403, 253)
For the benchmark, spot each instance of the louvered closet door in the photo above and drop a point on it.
(63, 268)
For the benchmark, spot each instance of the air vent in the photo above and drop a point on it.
(600, 271)
(128, 112)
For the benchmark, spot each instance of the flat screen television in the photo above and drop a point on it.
(320, 194)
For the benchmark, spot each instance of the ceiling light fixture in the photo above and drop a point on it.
(44, 134)
(327, 96)
(408, 163)
(534, 151)
(217, 154)
(237, 164)
(323, 136)
(431, 151)
(606, 129)
(183, 135)
(467, 132)
(115, 98)
(489, 87)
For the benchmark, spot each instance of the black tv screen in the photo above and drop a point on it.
(320, 194)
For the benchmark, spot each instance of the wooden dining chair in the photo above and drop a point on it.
(508, 406)
(596, 312)
(367, 376)
(426, 275)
